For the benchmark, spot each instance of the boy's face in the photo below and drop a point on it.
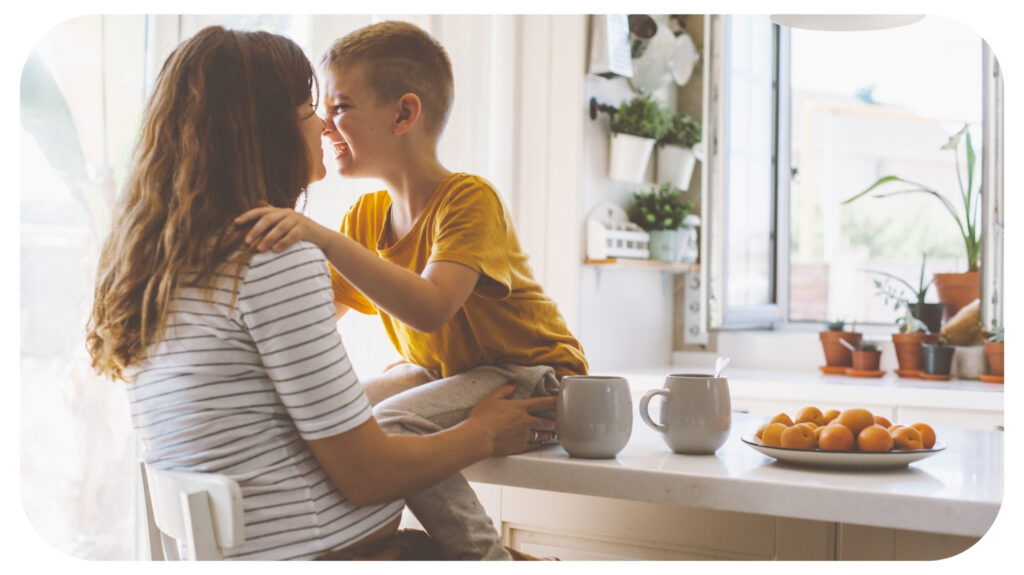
(358, 127)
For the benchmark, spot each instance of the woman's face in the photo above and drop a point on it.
(312, 127)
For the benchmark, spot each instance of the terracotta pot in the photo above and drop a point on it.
(836, 354)
(908, 348)
(938, 359)
(866, 360)
(994, 352)
(956, 291)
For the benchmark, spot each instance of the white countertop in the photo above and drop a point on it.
(808, 386)
(957, 491)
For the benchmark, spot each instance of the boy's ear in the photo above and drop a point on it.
(409, 110)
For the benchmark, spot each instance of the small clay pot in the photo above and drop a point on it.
(994, 352)
(937, 359)
(908, 348)
(866, 360)
(836, 354)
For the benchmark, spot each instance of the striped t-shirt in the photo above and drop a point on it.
(238, 392)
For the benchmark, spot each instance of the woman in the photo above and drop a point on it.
(233, 357)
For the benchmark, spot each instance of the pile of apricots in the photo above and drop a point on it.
(855, 429)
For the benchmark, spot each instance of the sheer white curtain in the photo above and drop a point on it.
(81, 106)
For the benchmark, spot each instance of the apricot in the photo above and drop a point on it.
(783, 419)
(927, 434)
(830, 415)
(808, 424)
(907, 438)
(836, 437)
(798, 437)
(773, 434)
(881, 420)
(810, 414)
(856, 419)
(894, 427)
(760, 430)
(874, 438)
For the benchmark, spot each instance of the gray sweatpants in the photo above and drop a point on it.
(450, 510)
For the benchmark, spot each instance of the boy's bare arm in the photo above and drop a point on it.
(424, 303)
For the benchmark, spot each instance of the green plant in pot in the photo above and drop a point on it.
(866, 357)
(929, 313)
(676, 154)
(994, 352)
(837, 355)
(955, 290)
(636, 126)
(661, 213)
(908, 342)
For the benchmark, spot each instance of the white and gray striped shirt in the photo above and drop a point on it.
(238, 392)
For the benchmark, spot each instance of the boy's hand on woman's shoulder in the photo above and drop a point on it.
(280, 228)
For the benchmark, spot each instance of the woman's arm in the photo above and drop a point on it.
(367, 466)
(423, 302)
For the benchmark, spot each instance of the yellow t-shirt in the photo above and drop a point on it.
(508, 319)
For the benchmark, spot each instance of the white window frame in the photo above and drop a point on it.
(715, 194)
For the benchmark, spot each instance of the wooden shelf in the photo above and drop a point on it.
(638, 263)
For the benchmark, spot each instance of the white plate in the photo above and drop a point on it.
(843, 459)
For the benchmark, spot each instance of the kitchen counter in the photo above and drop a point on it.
(957, 491)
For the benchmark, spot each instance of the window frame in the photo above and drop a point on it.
(775, 316)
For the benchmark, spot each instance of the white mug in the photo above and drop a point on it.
(594, 415)
(696, 412)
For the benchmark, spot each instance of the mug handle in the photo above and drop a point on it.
(645, 413)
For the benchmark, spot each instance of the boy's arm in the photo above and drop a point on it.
(424, 303)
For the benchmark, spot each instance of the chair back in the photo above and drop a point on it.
(196, 515)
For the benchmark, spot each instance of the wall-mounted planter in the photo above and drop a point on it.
(675, 165)
(628, 157)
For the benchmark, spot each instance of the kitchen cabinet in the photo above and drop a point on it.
(652, 504)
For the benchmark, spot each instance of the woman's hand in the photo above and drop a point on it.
(512, 422)
(281, 228)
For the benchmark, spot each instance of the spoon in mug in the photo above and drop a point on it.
(720, 364)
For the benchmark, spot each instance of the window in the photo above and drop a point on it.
(851, 107)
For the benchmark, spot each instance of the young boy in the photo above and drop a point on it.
(436, 256)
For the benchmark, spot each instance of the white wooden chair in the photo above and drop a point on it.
(191, 516)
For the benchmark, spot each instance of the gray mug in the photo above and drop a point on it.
(594, 415)
(696, 412)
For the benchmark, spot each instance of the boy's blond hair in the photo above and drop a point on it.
(400, 58)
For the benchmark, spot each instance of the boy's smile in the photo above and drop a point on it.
(357, 126)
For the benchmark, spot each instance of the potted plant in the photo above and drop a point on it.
(937, 358)
(636, 126)
(661, 212)
(929, 313)
(955, 290)
(912, 334)
(866, 357)
(676, 157)
(837, 354)
(994, 352)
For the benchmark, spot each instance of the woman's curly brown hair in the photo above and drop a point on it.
(220, 135)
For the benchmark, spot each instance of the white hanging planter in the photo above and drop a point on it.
(675, 165)
(628, 157)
